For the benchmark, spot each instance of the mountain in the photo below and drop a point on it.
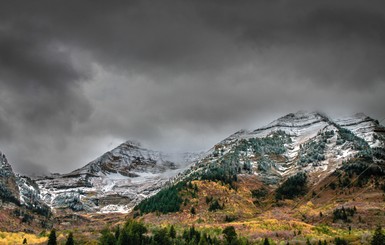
(298, 142)
(304, 171)
(21, 206)
(304, 178)
(114, 182)
(9, 190)
(302, 141)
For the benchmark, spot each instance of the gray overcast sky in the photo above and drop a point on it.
(79, 77)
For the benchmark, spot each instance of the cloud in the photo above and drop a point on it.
(76, 77)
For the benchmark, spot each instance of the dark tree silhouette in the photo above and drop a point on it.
(52, 238)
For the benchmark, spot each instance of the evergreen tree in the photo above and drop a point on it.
(203, 240)
(340, 241)
(123, 238)
(107, 238)
(117, 232)
(52, 238)
(25, 241)
(172, 232)
(378, 237)
(70, 239)
(160, 237)
(266, 241)
(230, 234)
(294, 186)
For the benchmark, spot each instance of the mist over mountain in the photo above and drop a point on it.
(77, 79)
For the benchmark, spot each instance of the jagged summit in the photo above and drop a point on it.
(19, 190)
(8, 186)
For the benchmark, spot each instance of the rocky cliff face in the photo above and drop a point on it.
(9, 191)
(20, 190)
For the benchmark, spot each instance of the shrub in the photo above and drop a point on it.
(343, 214)
(215, 206)
(230, 234)
(340, 241)
(378, 237)
(259, 193)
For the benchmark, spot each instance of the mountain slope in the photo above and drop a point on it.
(309, 142)
(116, 181)
(304, 176)
(21, 206)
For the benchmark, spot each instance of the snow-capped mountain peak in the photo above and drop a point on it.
(115, 181)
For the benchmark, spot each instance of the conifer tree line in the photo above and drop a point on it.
(134, 232)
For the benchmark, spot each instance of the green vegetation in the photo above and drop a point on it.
(7, 196)
(273, 144)
(347, 135)
(165, 201)
(378, 237)
(265, 164)
(230, 234)
(70, 239)
(259, 193)
(378, 152)
(230, 218)
(358, 144)
(52, 238)
(294, 186)
(132, 233)
(226, 172)
(226, 168)
(314, 151)
(135, 232)
(340, 241)
(214, 205)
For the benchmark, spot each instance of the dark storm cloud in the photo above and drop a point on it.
(78, 75)
(327, 42)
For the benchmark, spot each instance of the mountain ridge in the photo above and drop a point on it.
(122, 177)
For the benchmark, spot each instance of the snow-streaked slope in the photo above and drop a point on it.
(302, 141)
(116, 181)
(314, 143)
(364, 127)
